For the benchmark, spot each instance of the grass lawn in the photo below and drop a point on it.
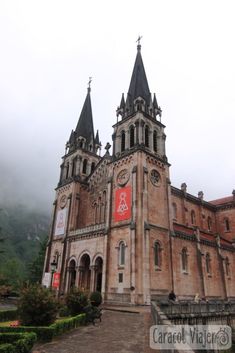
(5, 323)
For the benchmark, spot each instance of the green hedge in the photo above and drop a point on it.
(47, 333)
(7, 315)
(17, 342)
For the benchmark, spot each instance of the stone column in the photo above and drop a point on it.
(146, 263)
(221, 266)
(200, 263)
(146, 244)
(93, 269)
(133, 238)
(80, 276)
(108, 220)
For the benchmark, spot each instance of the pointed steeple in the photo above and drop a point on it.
(139, 84)
(97, 138)
(85, 126)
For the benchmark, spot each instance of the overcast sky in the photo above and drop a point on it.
(50, 48)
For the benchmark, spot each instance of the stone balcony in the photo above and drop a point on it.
(86, 230)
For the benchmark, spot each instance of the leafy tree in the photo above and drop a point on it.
(76, 301)
(37, 306)
(36, 267)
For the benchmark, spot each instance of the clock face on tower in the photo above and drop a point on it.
(123, 177)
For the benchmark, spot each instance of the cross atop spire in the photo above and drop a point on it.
(138, 40)
(89, 84)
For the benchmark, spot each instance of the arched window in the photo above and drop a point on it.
(227, 267)
(121, 254)
(90, 147)
(132, 136)
(157, 254)
(184, 260)
(123, 141)
(96, 212)
(208, 263)
(146, 136)
(84, 167)
(100, 209)
(67, 171)
(174, 211)
(193, 217)
(81, 144)
(209, 223)
(226, 225)
(92, 166)
(74, 166)
(155, 141)
(104, 205)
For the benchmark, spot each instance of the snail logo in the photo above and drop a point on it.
(222, 338)
(122, 204)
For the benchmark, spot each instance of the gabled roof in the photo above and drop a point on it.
(85, 126)
(139, 83)
(222, 201)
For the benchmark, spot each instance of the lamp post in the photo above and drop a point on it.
(53, 269)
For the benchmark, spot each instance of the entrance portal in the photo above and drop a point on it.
(85, 272)
(98, 274)
(72, 274)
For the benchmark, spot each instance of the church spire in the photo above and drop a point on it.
(139, 84)
(139, 97)
(83, 136)
(85, 126)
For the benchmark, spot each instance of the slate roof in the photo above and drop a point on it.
(222, 201)
(139, 83)
(85, 127)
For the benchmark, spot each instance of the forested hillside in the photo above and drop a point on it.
(22, 234)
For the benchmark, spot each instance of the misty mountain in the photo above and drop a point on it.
(22, 231)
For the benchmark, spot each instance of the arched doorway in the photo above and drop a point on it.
(72, 274)
(98, 274)
(85, 272)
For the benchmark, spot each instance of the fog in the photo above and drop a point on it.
(49, 49)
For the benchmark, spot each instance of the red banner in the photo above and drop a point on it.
(122, 204)
(56, 280)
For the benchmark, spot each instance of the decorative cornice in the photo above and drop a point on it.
(194, 199)
(85, 236)
(182, 235)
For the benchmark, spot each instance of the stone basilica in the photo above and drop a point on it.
(120, 227)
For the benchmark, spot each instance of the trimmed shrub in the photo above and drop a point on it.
(63, 311)
(37, 306)
(7, 348)
(92, 313)
(76, 301)
(96, 298)
(17, 342)
(7, 315)
(47, 333)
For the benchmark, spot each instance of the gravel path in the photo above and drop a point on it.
(119, 332)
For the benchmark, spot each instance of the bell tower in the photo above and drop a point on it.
(141, 188)
(140, 125)
(83, 147)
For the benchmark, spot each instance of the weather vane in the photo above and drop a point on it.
(89, 83)
(138, 40)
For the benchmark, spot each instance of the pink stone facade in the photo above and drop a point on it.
(172, 240)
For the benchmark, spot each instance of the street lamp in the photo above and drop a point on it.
(53, 269)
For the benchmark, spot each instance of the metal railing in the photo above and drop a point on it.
(190, 307)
